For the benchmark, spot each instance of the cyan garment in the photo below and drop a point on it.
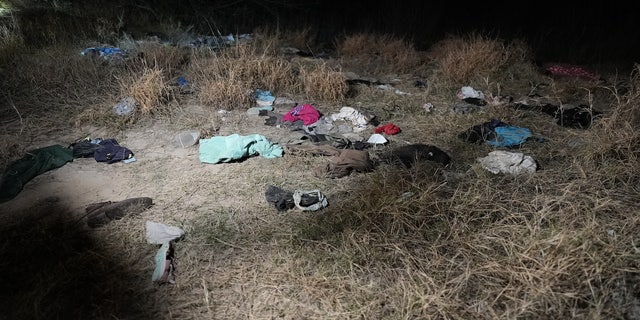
(509, 136)
(234, 147)
(31, 165)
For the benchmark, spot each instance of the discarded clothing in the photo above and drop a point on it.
(158, 233)
(508, 162)
(464, 108)
(570, 116)
(281, 199)
(389, 129)
(264, 98)
(164, 271)
(482, 132)
(409, 155)
(84, 148)
(315, 150)
(309, 200)
(235, 147)
(345, 163)
(101, 213)
(111, 152)
(567, 70)
(359, 120)
(304, 200)
(34, 163)
(106, 53)
(305, 112)
(470, 92)
(509, 136)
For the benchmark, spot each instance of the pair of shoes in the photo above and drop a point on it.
(101, 213)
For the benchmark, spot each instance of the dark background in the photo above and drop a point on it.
(561, 31)
(572, 32)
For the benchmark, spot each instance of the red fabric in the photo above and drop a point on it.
(389, 129)
(306, 112)
(569, 70)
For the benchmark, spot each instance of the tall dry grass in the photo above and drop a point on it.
(476, 55)
(227, 79)
(378, 54)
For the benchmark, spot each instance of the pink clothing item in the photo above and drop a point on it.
(306, 112)
(571, 71)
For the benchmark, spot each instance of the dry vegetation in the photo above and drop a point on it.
(420, 243)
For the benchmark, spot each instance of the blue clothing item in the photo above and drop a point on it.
(182, 81)
(264, 95)
(234, 147)
(509, 136)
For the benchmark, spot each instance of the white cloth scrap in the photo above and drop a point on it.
(508, 162)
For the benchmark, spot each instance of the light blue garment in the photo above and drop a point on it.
(508, 136)
(264, 95)
(234, 147)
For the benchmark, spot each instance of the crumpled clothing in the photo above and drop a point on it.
(158, 233)
(305, 112)
(509, 136)
(309, 200)
(411, 154)
(234, 147)
(508, 162)
(389, 129)
(342, 165)
(571, 71)
(359, 120)
(281, 199)
(34, 163)
(165, 267)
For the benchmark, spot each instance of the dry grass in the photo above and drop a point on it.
(475, 55)
(149, 89)
(227, 79)
(378, 54)
(423, 243)
(323, 84)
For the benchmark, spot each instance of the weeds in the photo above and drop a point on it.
(398, 243)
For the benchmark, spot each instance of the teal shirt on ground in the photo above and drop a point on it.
(235, 147)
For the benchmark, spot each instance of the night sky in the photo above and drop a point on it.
(576, 32)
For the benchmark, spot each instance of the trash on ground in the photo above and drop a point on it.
(509, 136)
(263, 97)
(359, 120)
(302, 199)
(309, 200)
(100, 213)
(496, 133)
(515, 163)
(428, 107)
(187, 139)
(125, 106)
(389, 129)
(111, 152)
(107, 53)
(343, 164)
(566, 115)
(235, 147)
(32, 164)
(305, 112)
(411, 154)
(464, 108)
(567, 70)
(469, 92)
(165, 267)
(377, 138)
(158, 233)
